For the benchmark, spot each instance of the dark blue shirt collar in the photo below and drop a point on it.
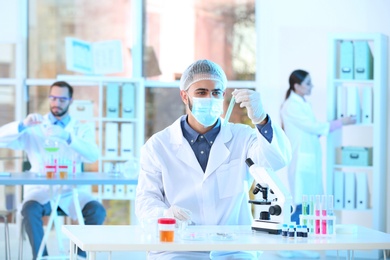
(191, 134)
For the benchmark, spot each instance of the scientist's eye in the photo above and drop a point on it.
(217, 93)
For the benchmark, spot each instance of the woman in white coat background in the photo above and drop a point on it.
(194, 170)
(76, 142)
(304, 131)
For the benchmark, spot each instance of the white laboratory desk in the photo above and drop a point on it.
(83, 178)
(108, 238)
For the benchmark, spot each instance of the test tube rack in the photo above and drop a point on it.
(321, 226)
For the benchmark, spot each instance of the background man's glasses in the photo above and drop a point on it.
(61, 99)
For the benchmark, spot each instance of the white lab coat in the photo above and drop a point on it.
(31, 140)
(303, 131)
(171, 175)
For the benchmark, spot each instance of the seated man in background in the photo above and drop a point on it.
(75, 142)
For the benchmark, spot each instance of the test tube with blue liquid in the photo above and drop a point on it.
(330, 213)
(324, 203)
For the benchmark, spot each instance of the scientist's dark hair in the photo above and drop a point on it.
(63, 84)
(296, 77)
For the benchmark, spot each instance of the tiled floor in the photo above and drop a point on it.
(53, 249)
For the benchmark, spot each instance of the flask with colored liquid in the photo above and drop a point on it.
(51, 148)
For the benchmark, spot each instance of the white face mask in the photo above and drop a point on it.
(207, 110)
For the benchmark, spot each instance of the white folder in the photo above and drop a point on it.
(338, 189)
(346, 60)
(108, 167)
(127, 140)
(353, 103)
(350, 191)
(112, 100)
(128, 100)
(361, 190)
(341, 102)
(81, 109)
(120, 190)
(363, 65)
(108, 190)
(111, 140)
(367, 102)
(130, 192)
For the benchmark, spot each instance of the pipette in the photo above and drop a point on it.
(229, 110)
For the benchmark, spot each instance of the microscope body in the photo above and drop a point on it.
(276, 203)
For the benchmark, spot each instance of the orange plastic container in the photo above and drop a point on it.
(166, 227)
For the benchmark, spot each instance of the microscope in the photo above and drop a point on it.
(276, 202)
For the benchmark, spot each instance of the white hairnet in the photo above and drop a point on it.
(202, 70)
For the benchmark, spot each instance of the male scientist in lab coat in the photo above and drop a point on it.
(194, 170)
(76, 142)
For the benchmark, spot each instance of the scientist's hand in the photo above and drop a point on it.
(33, 119)
(58, 132)
(178, 213)
(252, 101)
(350, 120)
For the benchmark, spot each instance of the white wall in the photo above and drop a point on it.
(294, 34)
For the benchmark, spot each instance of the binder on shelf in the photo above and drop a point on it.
(112, 100)
(346, 60)
(120, 190)
(130, 192)
(363, 65)
(361, 190)
(81, 109)
(111, 140)
(341, 102)
(338, 190)
(127, 140)
(367, 107)
(128, 100)
(350, 191)
(353, 103)
(108, 189)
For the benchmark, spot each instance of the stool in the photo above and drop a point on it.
(60, 213)
(4, 215)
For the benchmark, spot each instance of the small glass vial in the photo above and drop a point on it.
(304, 231)
(291, 232)
(166, 226)
(299, 231)
(285, 230)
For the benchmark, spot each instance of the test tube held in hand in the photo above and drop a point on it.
(317, 210)
(229, 110)
(323, 213)
(330, 213)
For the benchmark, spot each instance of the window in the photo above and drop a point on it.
(50, 22)
(219, 30)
